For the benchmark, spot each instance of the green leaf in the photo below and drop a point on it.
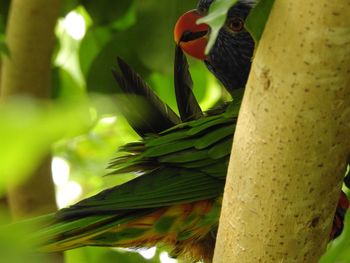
(68, 6)
(91, 45)
(205, 86)
(14, 245)
(153, 33)
(99, 77)
(216, 19)
(4, 50)
(30, 129)
(255, 22)
(257, 19)
(105, 11)
(163, 85)
(4, 12)
(64, 85)
(338, 251)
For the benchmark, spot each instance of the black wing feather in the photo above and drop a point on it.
(148, 113)
(187, 104)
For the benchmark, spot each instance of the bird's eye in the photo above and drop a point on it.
(236, 24)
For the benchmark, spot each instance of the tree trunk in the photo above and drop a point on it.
(36, 196)
(30, 38)
(292, 139)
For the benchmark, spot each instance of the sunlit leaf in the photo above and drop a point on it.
(28, 130)
(255, 23)
(215, 19)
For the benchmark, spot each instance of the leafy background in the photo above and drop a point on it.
(83, 128)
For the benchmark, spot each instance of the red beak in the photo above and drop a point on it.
(191, 37)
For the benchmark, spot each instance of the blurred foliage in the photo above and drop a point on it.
(338, 251)
(257, 18)
(84, 66)
(30, 128)
(82, 125)
(14, 247)
(3, 47)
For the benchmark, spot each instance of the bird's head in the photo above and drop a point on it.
(230, 57)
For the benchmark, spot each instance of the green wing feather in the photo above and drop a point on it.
(171, 180)
(149, 114)
(177, 175)
(183, 164)
(162, 187)
(188, 106)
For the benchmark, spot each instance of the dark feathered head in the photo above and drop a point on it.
(230, 58)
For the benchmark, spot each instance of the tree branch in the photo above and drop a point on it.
(292, 139)
(30, 38)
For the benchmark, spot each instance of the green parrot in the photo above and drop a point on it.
(176, 200)
(181, 161)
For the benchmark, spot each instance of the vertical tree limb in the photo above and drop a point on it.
(36, 196)
(292, 139)
(30, 38)
(0, 73)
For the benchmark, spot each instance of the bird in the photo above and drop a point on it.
(181, 161)
(230, 57)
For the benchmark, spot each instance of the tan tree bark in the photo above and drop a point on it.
(0, 74)
(292, 139)
(30, 38)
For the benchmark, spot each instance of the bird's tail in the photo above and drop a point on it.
(133, 229)
(98, 230)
